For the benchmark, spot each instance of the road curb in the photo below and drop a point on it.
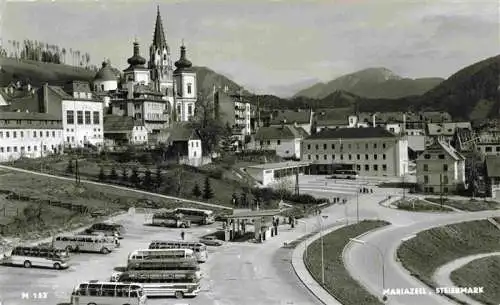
(300, 268)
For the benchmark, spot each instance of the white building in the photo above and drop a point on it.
(286, 140)
(298, 118)
(184, 145)
(105, 80)
(440, 168)
(30, 135)
(124, 130)
(269, 174)
(185, 91)
(371, 151)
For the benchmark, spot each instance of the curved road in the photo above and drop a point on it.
(442, 274)
(363, 261)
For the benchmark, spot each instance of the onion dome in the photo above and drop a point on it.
(105, 73)
(137, 60)
(183, 64)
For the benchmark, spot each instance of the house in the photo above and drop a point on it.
(30, 135)
(371, 151)
(493, 175)
(183, 145)
(298, 118)
(124, 130)
(444, 131)
(333, 118)
(440, 169)
(489, 142)
(233, 111)
(285, 140)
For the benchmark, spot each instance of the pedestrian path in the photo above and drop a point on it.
(442, 274)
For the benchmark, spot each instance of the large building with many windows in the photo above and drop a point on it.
(371, 151)
(30, 135)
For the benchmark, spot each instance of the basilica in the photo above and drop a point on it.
(155, 92)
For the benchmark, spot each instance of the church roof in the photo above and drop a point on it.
(136, 61)
(105, 73)
(183, 64)
(159, 40)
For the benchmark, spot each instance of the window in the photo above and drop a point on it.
(7, 134)
(426, 167)
(333, 157)
(29, 148)
(383, 145)
(87, 118)
(426, 179)
(341, 157)
(324, 146)
(350, 157)
(374, 156)
(261, 143)
(488, 149)
(445, 179)
(8, 148)
(309, 157)
(366, 157)
(96, 117)
(366, 146)
(358, 167)
(358, 156)
(15, 148)
(79, 117)
(333, 146)
(367, 167)
(383, 157)
(445, 167)
(34, 134)
(279, 142)
(41, 134)
(375, 167)
(317, 157)
(317, 146)
(375, 145)
(189, 88)
(384, 167)
(190, 109)
(427, 156)
(14, 134)
(70, 117)
(47, 134)
(1, 134)
(441, 156)
(308, 146)
(268, 142)
(324, 157)
(53, 134)
(22, 134)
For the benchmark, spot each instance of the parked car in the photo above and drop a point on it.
(211, 241)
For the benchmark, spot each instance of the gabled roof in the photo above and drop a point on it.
(59, 91)
(493, 166)
(290, 116)
(285, 132)
(180, 132)
(353, 133)
(117, 123)
(446, 148)
(333, 117)
(446, 129)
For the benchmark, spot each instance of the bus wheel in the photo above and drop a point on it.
(179, 294)
(27, 264)
(57, 266)
(91, 304)
(104, 251)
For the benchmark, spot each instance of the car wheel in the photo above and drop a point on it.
(27, 264)
(179, 294)
(57, 266)
(104, 250)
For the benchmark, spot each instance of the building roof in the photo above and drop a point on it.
(114, 123)
(252, 214)
(446, 129)
(105, 73)
(445, 147)
(28, 116)
(291, 117)
(280, 165)
(180, 132)
(59, 91)
(136, 61)
(493, 166)
(333, 117)
(159, 40)
(183, 64)
(352, 133)
(278, 133)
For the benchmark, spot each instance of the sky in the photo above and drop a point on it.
(274, 47)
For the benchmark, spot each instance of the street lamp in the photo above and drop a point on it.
(322, 247)
(362, 242)
(305, 241)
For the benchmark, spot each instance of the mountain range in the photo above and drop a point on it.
(372, 83)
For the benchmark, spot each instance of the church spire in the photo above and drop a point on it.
(159, 40)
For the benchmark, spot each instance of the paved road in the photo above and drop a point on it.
(364, 264)
(442, 275)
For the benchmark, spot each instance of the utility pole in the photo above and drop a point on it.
(441, 190)
(297, 187)
(357, 205)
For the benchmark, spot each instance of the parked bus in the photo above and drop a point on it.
(202, 217)
(167, 218)
(158, 255)
(85, 243)
(164, 284)
(185, 264)
(345, 174)
(37, 257)
(108, 229)
(199, 249)
(95, 292)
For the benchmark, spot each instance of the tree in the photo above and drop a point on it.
(134, 178)
(102, 176)
(283, 187)
(159, 178)
(207, 189)
(70, 168)
(113, 175)
(124, 174)
(179, 174)
(148, 181)
(196, 190)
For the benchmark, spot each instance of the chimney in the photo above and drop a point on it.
(374, 120)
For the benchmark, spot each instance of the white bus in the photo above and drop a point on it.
(108, 229)
(202, 217)
(344, 174)
(37, 257)
(199, 249)
(95, 292)
(164, 284)
(158, 255)
(179, 265)
(85, 243)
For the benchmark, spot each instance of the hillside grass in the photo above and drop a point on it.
(471, 205)
(430, 249)
(482, 272)
(338, 281)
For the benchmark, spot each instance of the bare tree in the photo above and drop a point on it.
(283, 186)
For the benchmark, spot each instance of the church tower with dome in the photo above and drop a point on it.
(185, 91)
(136, 72)
(160, 62)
